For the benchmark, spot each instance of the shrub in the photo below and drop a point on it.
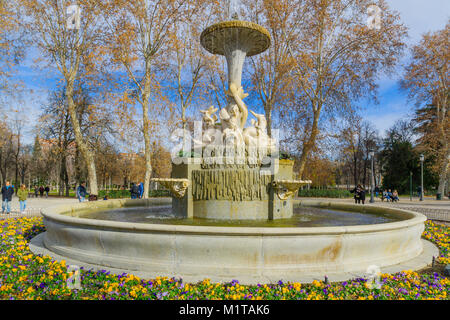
(117, 194)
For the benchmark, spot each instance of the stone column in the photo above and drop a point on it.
(184, 207)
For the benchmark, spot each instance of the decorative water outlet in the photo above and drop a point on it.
(177, 187)
(287, 188)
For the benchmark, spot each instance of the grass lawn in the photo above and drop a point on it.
(24, 275)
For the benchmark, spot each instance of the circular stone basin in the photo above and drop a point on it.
(250, 254)
(215, 37)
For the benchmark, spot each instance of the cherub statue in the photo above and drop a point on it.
(209, 118)
(257, 136)
(209, 121)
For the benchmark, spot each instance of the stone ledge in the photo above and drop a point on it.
(423, 260)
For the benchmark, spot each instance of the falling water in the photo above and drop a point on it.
(233, 9)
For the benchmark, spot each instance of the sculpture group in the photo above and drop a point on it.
(229, 137)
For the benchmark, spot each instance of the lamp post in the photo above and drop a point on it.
(410, 186)
(372, 154)
(421, 176)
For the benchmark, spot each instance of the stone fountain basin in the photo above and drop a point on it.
(251, 255)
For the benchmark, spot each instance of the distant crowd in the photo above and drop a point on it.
(360, 194)
(136, 191)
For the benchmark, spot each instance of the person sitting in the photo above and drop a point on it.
(395, 196)
(385, 195)
(390, 195)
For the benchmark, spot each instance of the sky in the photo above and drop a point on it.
(420, 16)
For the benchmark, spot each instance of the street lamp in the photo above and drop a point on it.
(422, 158)
(410, 186)
(372, 154)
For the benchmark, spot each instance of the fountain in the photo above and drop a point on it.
(232, 211)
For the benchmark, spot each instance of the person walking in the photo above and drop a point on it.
(419, 191)
(7, 193)
(81, 192)
(22, 193)
(36, 191)
(141, 190)
(356, 193)
(362, 194)
(41, 191)
(47, 190)
(134, 191)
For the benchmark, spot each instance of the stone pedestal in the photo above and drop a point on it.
(184, 207)
(279, 208)
(235, 192)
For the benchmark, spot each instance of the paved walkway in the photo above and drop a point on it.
(433, 209)
(34, 206)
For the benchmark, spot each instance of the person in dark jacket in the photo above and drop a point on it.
(7, 193)
(360, 194)
(134, 191)
(47, 190)
(41, 191)
(81, 192)
(141, 190)
(36, 191)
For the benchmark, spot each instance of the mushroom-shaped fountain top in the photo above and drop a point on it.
(254, 38)
(235, 40)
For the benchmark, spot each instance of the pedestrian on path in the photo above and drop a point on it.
(141, 190)
(134, 191)
(360, 194)
(7, 193)
(47, 190)
(36, 191)
(81, 192)
(41, 191)
(22, 193)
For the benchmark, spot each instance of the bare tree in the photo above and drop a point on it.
(68, 46)
(337, 55)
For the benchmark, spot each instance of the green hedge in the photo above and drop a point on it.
(117, 194)
(325, 193)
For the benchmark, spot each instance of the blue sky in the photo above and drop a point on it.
(420, 16)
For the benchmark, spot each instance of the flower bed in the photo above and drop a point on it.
(24, 275)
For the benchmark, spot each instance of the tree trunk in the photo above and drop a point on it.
(308, 145)
(146, 128)
(148, 164)
(86, 153)
(62, 176)
(443, 175)
(268, 111)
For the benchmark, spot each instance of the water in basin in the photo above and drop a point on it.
(303, 217)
